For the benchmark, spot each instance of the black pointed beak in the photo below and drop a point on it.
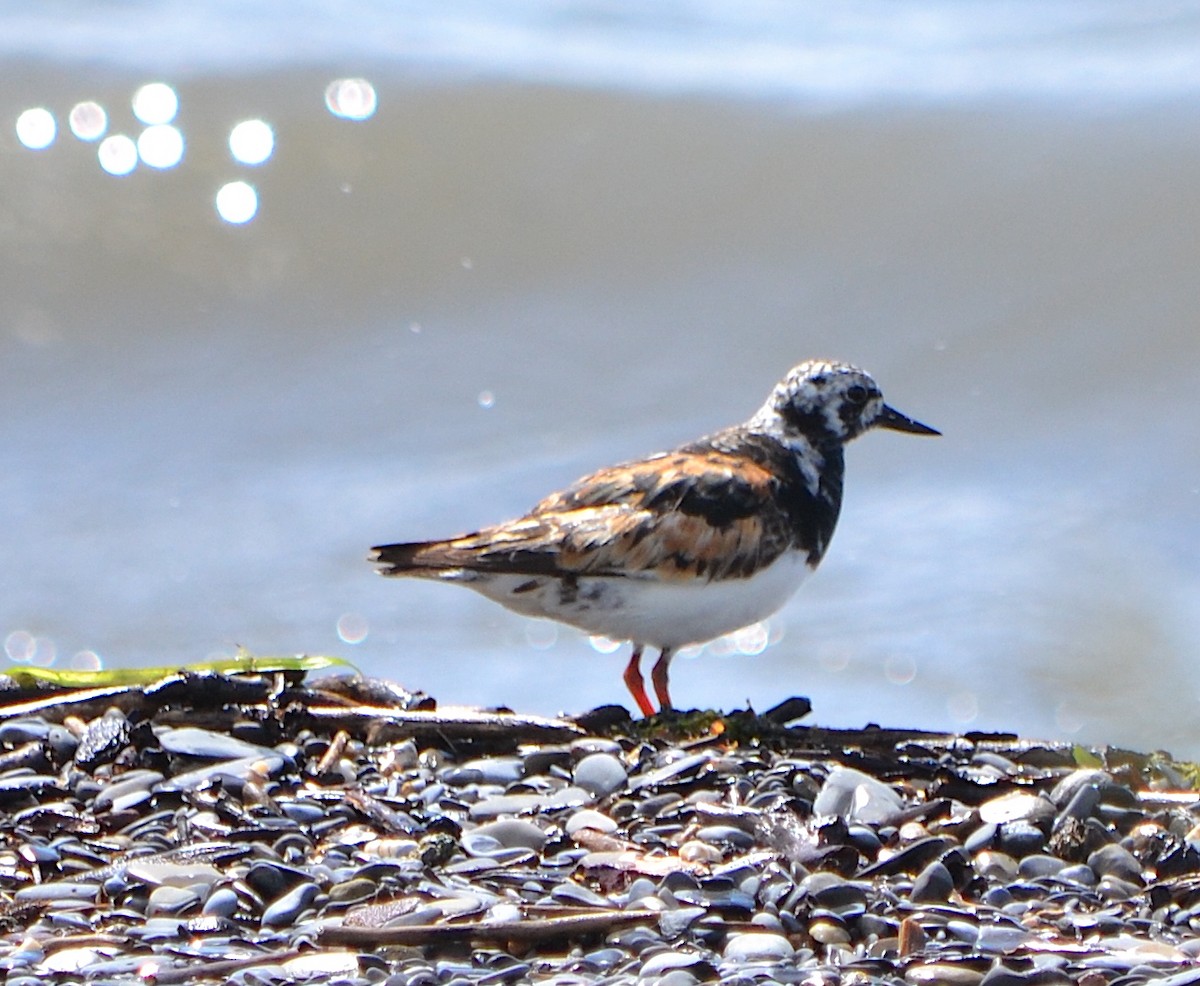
(893, 419)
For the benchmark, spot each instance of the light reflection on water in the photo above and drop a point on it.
(351, 99)
(88, 120)
(23, 647)
(352, 628)
(155, 103)
(118, 155)
(252, 142)
(36, 128)
(161, 144)
(237, 202)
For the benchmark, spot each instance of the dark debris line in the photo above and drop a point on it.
(259, 831)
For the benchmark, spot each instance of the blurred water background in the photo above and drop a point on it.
(464, 253)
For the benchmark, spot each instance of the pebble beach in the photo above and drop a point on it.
(260, 829)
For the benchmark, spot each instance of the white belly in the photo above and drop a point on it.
(648, 611)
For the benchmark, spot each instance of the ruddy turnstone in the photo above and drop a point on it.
(683, 546)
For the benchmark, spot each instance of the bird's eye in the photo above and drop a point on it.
(856, 394)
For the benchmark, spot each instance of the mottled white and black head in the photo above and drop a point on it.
(830, 403)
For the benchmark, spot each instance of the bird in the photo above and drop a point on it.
(680, 547)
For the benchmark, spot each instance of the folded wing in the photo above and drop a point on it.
(678, 515)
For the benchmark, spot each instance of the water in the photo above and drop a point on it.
(563, 240)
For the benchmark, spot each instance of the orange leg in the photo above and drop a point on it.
(633, 681)
(659, 677)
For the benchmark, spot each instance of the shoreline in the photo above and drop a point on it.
(258, 826)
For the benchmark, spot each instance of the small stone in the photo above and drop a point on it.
(666, 960)
(1069, 786)
(1114, 888)
(828, 932)
(506, 804)
(170, 901)
(1116, 860)
(159, 873)
(727, 835)
(933, 884)
(942, 974)
(1001, 938)
(982, 838)
(353, 890)
(996, 866)
(1082, 805)
(588, 818)
(857, 797)
(286, 909)
(694, 851)
(757, 946)
(575, 893)
(57, 891)
(675, 922)
(488, 770)
(1017, 806)
(1020, 838)
(507, 833)
(600, 774)
(222, 902)
(131, 790)
(1040, 865)
(999, 975)
(846, 900)
(192, 741)
(1080, 873)
(768, 922)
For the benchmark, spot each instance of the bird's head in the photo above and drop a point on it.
(830, 403)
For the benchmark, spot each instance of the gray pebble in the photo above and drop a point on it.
(587, 818)
(57, 891)
(1082, 805)
(933, 884)
(725, 835)
(664, 961)
(1080, 873)
(1114, 888)
(1040, 865)
(1116, 860)
(1016, 806)
(757, 946)
(995, 865)
(999, 975)
(981, 838)
(942, 974)
(1020, 838)
(171, 901)
(506, 804)
(600, 774)
(675, 922)
(286, 909)
(16, 732)
(857, 797)
(129, 791)
(508, 833)
(195, 742)
(222, 902)
(1062, 792)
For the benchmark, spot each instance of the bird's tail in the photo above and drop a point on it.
(411, 558)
